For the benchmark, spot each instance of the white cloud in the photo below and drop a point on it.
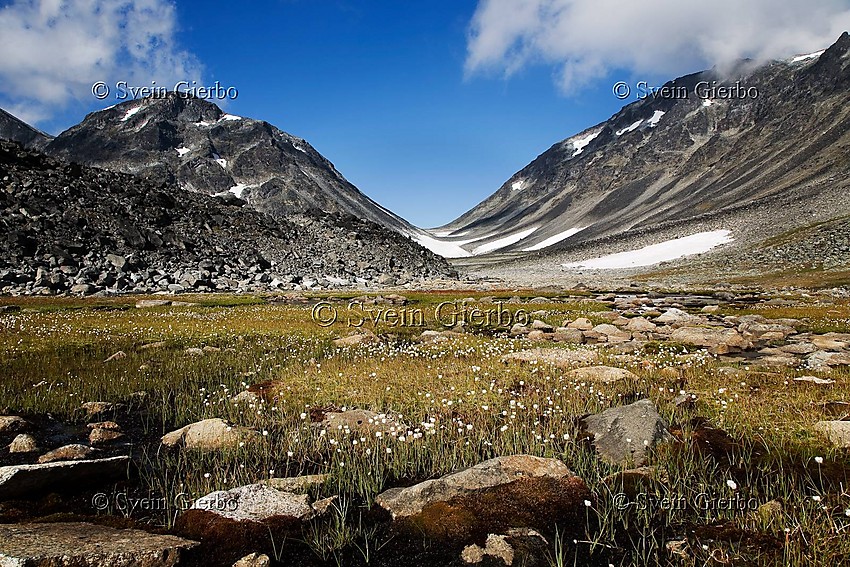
(586, 40)
(54, 50)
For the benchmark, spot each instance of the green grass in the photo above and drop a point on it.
(461, 406)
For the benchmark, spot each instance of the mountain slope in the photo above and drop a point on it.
(663, 161)
(193, 144)
(16, 130)
(74, 228)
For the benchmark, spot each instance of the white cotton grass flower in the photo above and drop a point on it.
(819, 460)
(732, 484)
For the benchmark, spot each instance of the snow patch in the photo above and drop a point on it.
(661, 252)
(808, 56)
(299, 148)
(182, 151)
(503, 242)
(131, 112)
(222, 163)
(238, 189)
(440, 247)
(656, 116)
(554, 239)
(631, 128)
(231, 117)
(517, 185)
(581, 143)
(707, 102)
(204, 124)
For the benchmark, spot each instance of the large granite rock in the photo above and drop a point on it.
(30, 481)
(80, 544)
(491, 497)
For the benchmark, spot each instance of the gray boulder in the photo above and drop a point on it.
(623, 435)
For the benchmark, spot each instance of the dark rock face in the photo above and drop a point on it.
(669, 161)
(71, 228)
(15, 130)
(191, 143)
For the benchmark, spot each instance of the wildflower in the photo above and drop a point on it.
(819, 460)
(732, 484)
(587, 503)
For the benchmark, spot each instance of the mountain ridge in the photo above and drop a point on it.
(663, 159)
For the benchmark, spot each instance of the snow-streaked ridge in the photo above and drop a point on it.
(662, 252)
(808, 56)
(504, 241)
(554, 239)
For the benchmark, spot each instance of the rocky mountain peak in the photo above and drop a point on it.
(193, 144)
(16, 130)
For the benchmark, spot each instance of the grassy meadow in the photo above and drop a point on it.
(747, 441)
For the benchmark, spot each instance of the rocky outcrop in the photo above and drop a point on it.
(75, 229)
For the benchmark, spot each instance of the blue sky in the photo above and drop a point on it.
(427, 106)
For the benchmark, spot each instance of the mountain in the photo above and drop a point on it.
(684, 158)
(73, 228)
(193, 144)
(16, 130)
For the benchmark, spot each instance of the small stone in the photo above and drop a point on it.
(815, 380)
(770, 510)
(254, 560)
(838, 432)
(67, 453)
(678, 548)
(602, 374)
(209, 434)
(104, 436)
(97, 408)
(147, 303)
(12, 424)
(117, 356)
(23, 443)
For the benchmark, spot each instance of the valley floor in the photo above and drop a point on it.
(300, 426)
